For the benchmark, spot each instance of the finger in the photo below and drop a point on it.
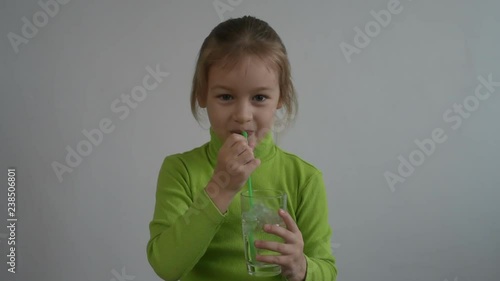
(285, 249)
(239, 147)
(234, 139)
(254, 164)
(282, 232)
(279, 260)
(252, 143)
(247, 157)
(290, 223)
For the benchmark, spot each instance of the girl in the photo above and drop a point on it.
(242, 77)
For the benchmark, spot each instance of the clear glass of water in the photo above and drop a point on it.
(257, 210)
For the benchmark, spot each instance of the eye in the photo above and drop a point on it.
(260, 98)
(224, 97)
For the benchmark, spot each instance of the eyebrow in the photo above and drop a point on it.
(228, 88)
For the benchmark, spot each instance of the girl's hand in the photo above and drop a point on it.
(235, 163)
(293, 262)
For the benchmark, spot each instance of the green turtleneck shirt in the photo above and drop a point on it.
(191, 240)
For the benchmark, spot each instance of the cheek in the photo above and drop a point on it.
(217, 113)
(213, 114)
(267, 116)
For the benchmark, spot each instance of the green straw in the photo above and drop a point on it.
(250, 194)
(250, 190)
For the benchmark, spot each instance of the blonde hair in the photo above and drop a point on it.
(234, 39)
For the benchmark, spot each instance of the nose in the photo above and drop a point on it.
(243, 112)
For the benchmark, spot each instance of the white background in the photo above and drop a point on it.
(355, 119)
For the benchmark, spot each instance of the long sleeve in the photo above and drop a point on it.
(312, 220)
(183, 224)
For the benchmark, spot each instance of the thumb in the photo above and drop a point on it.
(254, 163)
(257, 162)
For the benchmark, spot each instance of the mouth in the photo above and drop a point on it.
(240, 132)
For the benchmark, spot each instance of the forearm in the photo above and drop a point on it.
(317, 233)
(177, 249)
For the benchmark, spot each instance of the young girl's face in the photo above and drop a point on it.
(244, 98)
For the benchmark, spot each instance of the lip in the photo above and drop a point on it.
(249, 132)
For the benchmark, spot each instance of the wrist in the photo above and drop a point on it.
(303, 272)
(221, 197)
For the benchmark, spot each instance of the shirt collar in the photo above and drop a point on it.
(265, 150)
